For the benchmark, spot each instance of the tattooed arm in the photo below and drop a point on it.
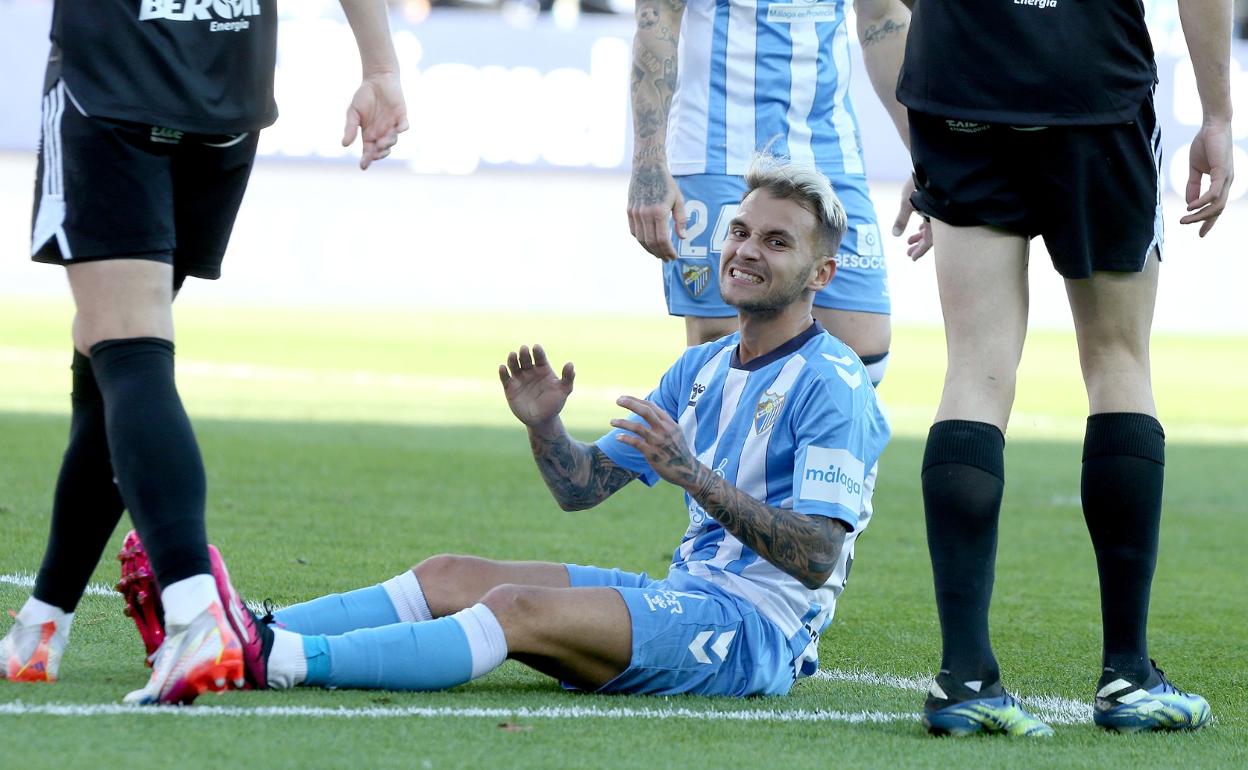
(579, 475)
(806, 547)
(882, 28)
(653, 197)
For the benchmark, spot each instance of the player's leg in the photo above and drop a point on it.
(124, 319)
(1124, 446)
(982, 279)
(87, 171)
(630, 639)
(439, 586)
(966, 183)
(1123, 456)
(580, 634)
(691, 282)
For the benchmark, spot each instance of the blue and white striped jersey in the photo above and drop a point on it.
(751, 71)
(799, 428)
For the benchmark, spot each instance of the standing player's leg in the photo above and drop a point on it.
(124, 320)
(1123, 471)
(1111, 265)
(90, 169)
(982, 277)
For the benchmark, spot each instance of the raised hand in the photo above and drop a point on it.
(533, 392)
(660, 441)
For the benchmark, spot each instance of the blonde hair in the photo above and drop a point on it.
(805, 185)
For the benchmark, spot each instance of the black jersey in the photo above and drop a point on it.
(203, 66)
(1028, 62)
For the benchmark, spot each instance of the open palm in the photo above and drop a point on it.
(533, 392)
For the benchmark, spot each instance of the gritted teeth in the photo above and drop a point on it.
(750, 277)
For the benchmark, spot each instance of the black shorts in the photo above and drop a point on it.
(110, 190)
(1092, 192)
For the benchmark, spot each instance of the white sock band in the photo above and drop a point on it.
(36, 612)
(408, 598)
(485, 638)
(287, 665)
(185, 599)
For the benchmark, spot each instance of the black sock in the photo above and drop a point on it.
(1124, 456)
(86, 506)
(154, 454)
(963, 481)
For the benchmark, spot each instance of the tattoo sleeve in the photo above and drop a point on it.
(653, 81)
(806, 547)
(579, 475)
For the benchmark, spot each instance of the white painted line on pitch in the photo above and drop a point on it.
(17, 708)
(857, 676)
(1049, 708)
(27, 580)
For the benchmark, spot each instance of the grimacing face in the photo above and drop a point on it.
(770, 256)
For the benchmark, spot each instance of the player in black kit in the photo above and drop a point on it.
(151, 115)
(1035, 117)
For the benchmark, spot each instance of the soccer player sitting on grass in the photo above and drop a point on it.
(773, 432)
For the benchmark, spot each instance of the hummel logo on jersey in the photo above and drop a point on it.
(854, 379)
(224, 15)
(719, 647)
(697, 390)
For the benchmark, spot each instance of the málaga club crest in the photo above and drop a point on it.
(695, 278)
(767, 411)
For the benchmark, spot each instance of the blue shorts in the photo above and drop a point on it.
(690, 637)
(691, 282)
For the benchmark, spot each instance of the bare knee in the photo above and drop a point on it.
(121, 299)
(519, 612)
(1118, 378)
(446, 582)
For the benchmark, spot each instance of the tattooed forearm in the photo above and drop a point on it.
(648, 184)
(806, 547)
(878, 33)
(578, 475)
(653, 82)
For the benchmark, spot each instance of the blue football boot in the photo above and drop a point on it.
(969, 708)
(1129, 707)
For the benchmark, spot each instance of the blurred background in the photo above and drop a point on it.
(508, 192)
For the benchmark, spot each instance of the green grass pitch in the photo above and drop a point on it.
(342, 447)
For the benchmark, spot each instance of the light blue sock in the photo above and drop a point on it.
(339, 613)
(433, 655)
